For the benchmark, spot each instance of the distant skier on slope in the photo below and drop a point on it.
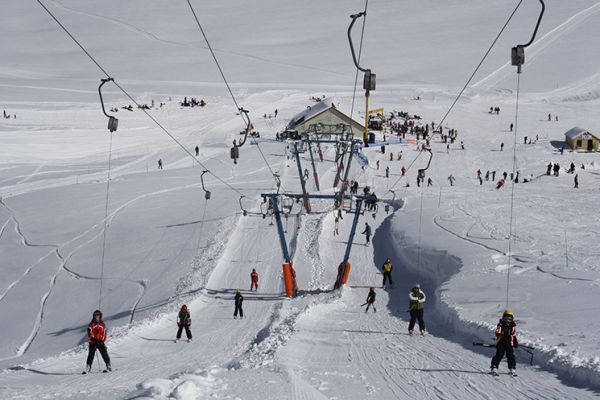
(96, 333)
(506, 342)
(238, 300)
(367, 233)
(184, 320)
(371, 300)
(416, 299)
(254, 280)
(387, 272)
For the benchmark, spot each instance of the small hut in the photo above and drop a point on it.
(581, 139)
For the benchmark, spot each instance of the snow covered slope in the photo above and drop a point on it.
(166, 245)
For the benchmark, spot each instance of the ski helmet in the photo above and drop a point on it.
(508, 312)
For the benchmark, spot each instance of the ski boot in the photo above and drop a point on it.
(108, 369)
(410, 332)
(512, 372)
(88, 370)
(423, 332)
(493, 372)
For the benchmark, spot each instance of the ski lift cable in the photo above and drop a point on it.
(390, 190)
(130, 97)
(480, 63)
(243, 113)
(512, 193)
(105, 220)
(362, 33)
(517, 59)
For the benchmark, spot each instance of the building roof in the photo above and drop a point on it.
(309, 113)
(576, 132)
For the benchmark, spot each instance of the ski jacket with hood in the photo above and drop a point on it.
(416, 299)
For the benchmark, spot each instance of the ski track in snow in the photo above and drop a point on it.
(540, 45)
(193, 45)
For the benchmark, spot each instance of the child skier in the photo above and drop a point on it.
(96, 332)
(184, 320)
(371, 300)
(254, 280)
(238, 300)
(416, 300)
(506, 342)
(387, 272)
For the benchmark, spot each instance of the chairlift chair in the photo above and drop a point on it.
(113, 123)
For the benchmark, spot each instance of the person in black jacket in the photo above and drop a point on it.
(184, 320)
(239, 299)
(371, 300)
(506, 342)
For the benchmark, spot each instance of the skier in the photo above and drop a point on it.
(391, 156)
(96, 332)
(429, 182)
(367, 233)
(512, 126)
(403, 170)
(451, 179)
(387, 272)
(254, 280)
(576, 179)
(377, 164)
(549, 117)
(371, 300)
(238, 300)
(184, 320)
(493, 175)
(387, 171)
(549, 169)
(506, 342)
(500, 184)
(502, 146)
(525, 140)
(487, 175)
(416, 300)
(197, 151)
(276, 112)
(400, 155)
(160, 163)
(337, 217)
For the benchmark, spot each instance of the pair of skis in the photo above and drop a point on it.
(512, 373)
(527, 349)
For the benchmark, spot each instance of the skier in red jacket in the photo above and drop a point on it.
(96, 332)
(254, 280)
